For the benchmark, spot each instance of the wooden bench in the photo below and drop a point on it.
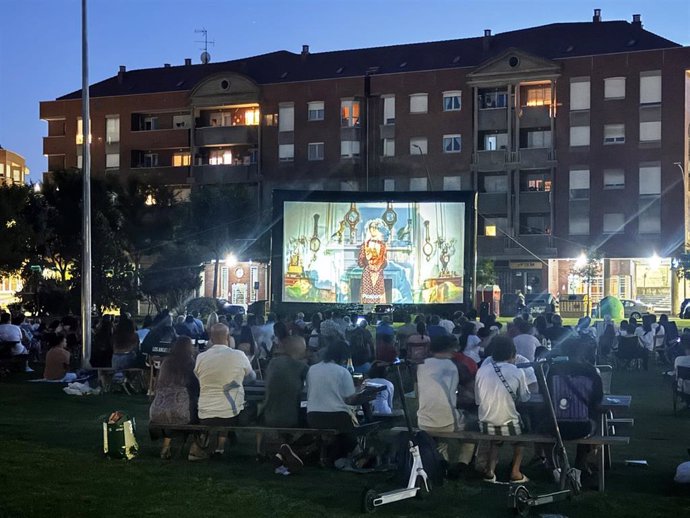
(598, 440)
(259, 431)
(105, 377)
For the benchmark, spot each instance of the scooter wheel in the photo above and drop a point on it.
(368, 497)
(520, 501)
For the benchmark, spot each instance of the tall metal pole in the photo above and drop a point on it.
(86, 205)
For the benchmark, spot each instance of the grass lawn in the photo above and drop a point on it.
(50, 465)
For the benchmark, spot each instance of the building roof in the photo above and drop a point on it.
(554, 41)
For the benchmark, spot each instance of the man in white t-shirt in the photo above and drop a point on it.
(437, 380)
(499, 386)
(11, 333)
(221, 370)
(525, 342)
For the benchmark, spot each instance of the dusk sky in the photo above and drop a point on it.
(40, 40)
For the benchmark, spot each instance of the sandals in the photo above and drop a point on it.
(522, 480)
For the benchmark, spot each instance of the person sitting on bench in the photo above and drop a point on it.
(330, 392)
(57, 360)
(438, 378)
(221, 371)
(177, 392)
(499, 386)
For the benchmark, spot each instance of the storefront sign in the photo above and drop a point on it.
(525, 265)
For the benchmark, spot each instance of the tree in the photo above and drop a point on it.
(173, 279)
(18, 234)
(486, 274)
(588, 268)
(219, 221)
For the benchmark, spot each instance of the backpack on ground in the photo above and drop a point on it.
(119, 441)
(433, 462)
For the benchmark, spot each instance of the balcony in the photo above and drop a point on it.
(535, 117)
(537, 158)
(492, 119)
(493, 203)
(533, 202)
(490, 160)
(226, 135)
(160, 139)
(539, 244)
(55, 145)
(214, 174)
(165, 175)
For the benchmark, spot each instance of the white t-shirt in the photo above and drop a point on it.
(653, 338)
(682, 361)
(448, 325)
(530, 375)
(496, 405)
(383, 404)
(525, 345)
(221, 372)
(472, 349)
(328, 384)
(437, 380)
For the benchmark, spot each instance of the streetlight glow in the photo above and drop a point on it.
(230, 260)
(581, 260)
(654, 262)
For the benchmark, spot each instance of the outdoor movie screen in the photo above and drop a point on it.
(373, 252)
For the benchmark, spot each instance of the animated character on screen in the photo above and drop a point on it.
(372, 260)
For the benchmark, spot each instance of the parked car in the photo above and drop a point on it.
(226, 308)
(684, 309)
(635, 308)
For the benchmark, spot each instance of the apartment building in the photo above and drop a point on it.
(13, 170)
(573, 134)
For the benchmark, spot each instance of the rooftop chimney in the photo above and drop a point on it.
(187, 61)
(637, 20)
(121, 74)
(597, 15)
(166, 65)
(486, 41)
(305, 52)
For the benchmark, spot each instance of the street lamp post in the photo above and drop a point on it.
(428, 176)
(686, 215)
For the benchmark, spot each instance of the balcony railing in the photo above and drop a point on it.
(228, 135)
(214, 174)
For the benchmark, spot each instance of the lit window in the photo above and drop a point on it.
(220, 157)
(252, 117)
(419, 103)
(650, 180)
(452, 143)
(349, 114)
(315, 111)
(315, 151)
(80, 132)
(452, 101)
(182, 159)
(537, 95)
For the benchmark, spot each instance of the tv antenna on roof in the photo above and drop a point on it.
(205, 56)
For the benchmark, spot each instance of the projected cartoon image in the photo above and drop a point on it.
(373, 253)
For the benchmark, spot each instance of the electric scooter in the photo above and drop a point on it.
(418, 482)
(568, 477)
